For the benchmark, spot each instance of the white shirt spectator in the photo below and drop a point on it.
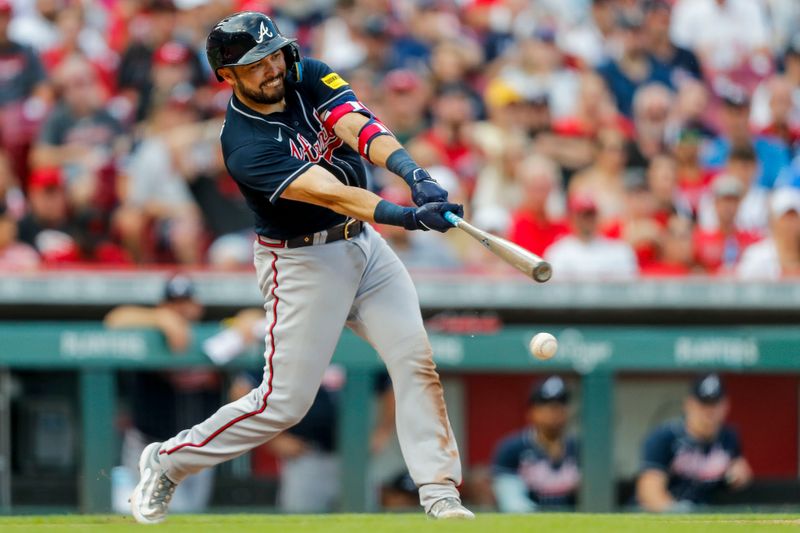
(153, 177)
(601, 258)
(760, 261)
(753, 214)
(725, 34)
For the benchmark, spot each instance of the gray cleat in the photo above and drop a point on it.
(449, 509)
(151, 497)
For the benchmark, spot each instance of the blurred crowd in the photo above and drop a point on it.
(617, 138)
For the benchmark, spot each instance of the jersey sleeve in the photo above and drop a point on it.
(506, 457)
(266, 168)
(730, 441)
(657, 450)
(326, 87)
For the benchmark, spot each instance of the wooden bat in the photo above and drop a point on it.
(526, 262)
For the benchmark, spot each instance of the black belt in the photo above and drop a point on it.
(346, 230)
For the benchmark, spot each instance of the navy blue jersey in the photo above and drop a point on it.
(265, 153)
(695, 468)
(549, 482)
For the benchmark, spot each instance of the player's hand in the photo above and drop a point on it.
(431, 216)
(425, 189)
(175, 328)
(739, 474)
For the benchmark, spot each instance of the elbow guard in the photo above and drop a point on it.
(368, 133)
(334, 114)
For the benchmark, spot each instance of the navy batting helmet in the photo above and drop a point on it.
(247, 37)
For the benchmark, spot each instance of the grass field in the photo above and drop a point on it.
(385, 523)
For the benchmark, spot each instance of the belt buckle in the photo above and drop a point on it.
(346, 232)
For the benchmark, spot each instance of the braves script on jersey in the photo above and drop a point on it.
(264, 153)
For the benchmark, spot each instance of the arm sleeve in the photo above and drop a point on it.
(268, 169)
(511, 494)
(657, 451)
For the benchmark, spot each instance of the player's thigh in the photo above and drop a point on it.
(386, 311)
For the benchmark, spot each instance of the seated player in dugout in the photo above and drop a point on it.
(685, 461)
(538, 466)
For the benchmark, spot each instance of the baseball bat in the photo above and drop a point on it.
(526, 262)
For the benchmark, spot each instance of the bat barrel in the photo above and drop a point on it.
(542, 272)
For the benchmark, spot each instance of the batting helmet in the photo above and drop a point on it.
(247, 37)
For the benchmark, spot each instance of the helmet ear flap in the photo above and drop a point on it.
(294, 69)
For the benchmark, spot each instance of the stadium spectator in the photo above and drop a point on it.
(719, 250)
(634, 68)
(135, 75)
(157, 206)
(782, 117)
(585, 254)
(537, 68)
(405, 98)
(449, 134)
(735, 132)
(684, 462)
(637, 224)
(662, 181)
(180, 397)
(25, 94)
(14, 255)
(778, 255)
(539, 466)
(736, 44)
(11, 195)
(651, 109)
(593, 41)
(753, 213)
(47, 226)
(673, 251)
(81, 138)
(693, 179)
(681, 62)
(604, 180)
(534, 225)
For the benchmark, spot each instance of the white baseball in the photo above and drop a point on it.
(543, 346)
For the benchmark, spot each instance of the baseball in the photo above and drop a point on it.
(543, 346)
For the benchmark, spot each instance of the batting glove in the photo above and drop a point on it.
(425, 189)
(431, 216)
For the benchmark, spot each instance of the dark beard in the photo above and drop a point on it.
(260, 96)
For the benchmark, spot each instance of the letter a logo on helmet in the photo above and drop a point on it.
(262, 31)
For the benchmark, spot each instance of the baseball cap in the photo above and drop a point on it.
(6, 7)
(726, 185)
(45, 178)
(708, 388)
(784, 200)
(179, 287)
(735, 96)
(171, 53)
(581, 203)
(550, 389)
(402, 80)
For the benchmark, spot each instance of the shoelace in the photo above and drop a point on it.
(163, 493)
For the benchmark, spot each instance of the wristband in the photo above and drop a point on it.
(401, 163)
(395, 215)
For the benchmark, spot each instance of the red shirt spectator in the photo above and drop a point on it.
(531, 226)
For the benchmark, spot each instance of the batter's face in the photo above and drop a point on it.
(262, 82)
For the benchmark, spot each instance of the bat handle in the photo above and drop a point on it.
(452, 218)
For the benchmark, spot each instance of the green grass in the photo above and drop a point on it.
(416, 523)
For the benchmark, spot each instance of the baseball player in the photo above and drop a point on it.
(293, 140)
(684, 462)
(539, 466)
